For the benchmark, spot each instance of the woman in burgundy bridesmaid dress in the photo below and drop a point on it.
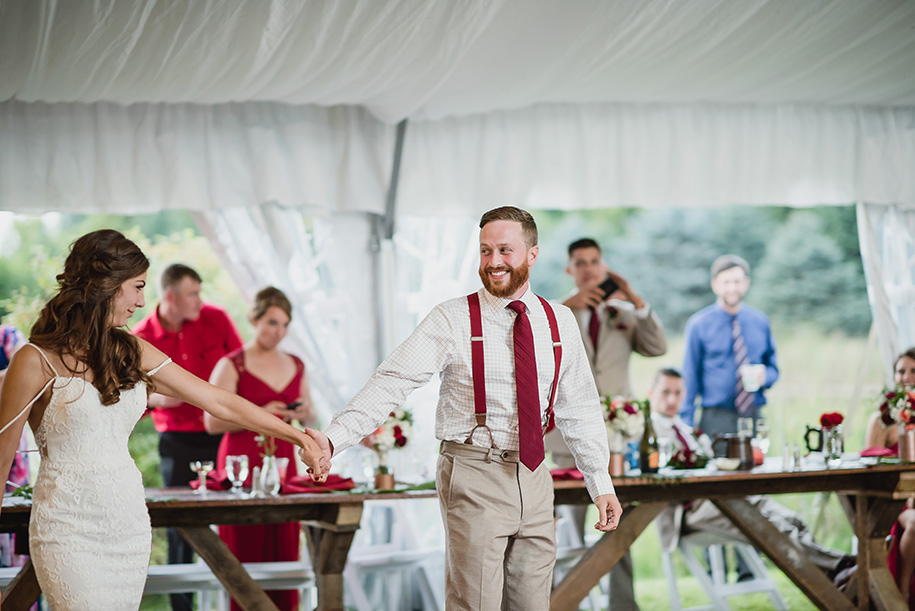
(274, 380)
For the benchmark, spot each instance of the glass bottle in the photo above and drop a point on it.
(648, 447)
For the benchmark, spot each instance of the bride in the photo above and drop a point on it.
(82, 385)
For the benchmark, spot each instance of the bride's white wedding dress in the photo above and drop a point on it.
(89, 533)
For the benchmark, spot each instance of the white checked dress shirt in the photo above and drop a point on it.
(441, 344)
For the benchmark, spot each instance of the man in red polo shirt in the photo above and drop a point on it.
(195, 335)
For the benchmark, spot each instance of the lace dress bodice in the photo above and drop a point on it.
(89, 533)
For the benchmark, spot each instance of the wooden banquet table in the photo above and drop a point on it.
(872, 495)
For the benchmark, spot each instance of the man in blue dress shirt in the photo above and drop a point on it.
(719, 337)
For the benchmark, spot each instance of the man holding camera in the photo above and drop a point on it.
(614, 322)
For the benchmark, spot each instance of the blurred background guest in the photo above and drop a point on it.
(901, 556)
(11, 339)
(195, 335)
(276, 381)
(613, 325)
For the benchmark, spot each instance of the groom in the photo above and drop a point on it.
(495, 491)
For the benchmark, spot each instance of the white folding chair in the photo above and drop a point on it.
(715, 585)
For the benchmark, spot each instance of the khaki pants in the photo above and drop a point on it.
(499, 530)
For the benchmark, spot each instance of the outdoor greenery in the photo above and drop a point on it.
(805, 264)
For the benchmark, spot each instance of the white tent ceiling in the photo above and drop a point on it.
(208, 103)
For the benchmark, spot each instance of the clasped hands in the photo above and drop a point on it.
(316, 452)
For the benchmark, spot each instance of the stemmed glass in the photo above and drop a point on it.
(201, 468)
(762, 435)
(237, 472)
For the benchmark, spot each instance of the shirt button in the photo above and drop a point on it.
(504, 455)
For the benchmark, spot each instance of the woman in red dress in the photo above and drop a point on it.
(274, 380)
(901, 556)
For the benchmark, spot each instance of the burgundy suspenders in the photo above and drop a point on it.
(478, 371)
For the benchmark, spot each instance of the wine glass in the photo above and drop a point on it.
(762, 435)
(237, 472)
(201, 468)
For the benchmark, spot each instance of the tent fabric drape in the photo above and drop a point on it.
(149, 157)
(593, 156)
(146, 157)
(887, 238)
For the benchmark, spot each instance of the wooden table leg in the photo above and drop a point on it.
(595, 563)
(233, 576)
(23, 591)
(876, 587)
(786, 554)
(329, 541)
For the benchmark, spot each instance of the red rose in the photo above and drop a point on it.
(831, 419)
(630, 409)
(400, 442)
(398, 432)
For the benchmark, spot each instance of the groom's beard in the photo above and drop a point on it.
(516, 277)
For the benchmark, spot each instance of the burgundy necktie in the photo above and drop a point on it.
(593, 328)
(687, 452)
(530, 424)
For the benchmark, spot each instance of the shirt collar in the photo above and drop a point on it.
(157, 331)
(501, 303)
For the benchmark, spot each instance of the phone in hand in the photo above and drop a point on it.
(608, 286)
(293, 405)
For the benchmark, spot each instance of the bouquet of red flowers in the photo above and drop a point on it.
(830, 420)
(685, 458)
(898, 405)
(393, 434)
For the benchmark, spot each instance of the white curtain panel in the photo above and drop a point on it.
(887, 238)
(323, 265)
(148, 157)
(594, 156)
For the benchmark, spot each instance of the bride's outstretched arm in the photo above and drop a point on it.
(174, 381)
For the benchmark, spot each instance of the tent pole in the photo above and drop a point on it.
(383, 245)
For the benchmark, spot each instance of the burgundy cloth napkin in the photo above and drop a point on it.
(303, 483)
(877, 451)
(566, 474)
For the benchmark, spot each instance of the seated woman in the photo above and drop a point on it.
(276, 381)
(901, 558)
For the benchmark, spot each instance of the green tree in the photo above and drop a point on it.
(806, 278)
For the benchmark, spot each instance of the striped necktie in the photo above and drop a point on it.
(744, 401)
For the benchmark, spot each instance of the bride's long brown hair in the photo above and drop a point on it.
(77, 320)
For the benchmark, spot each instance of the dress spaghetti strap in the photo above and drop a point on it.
(152, 372)
(41, 392)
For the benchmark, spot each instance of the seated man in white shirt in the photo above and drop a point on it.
(666, 396)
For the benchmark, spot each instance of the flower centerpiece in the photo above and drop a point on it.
(623, 418)
(898, 407)
(394, 434)
(833, 443)
(695, 457)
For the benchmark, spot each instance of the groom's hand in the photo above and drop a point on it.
(323, 442)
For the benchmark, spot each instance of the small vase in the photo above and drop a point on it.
(833, 445)
(384, 479)
(617, 464)
(270, 476)
(906, 443)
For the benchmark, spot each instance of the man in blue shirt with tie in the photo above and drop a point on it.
(723, 340)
